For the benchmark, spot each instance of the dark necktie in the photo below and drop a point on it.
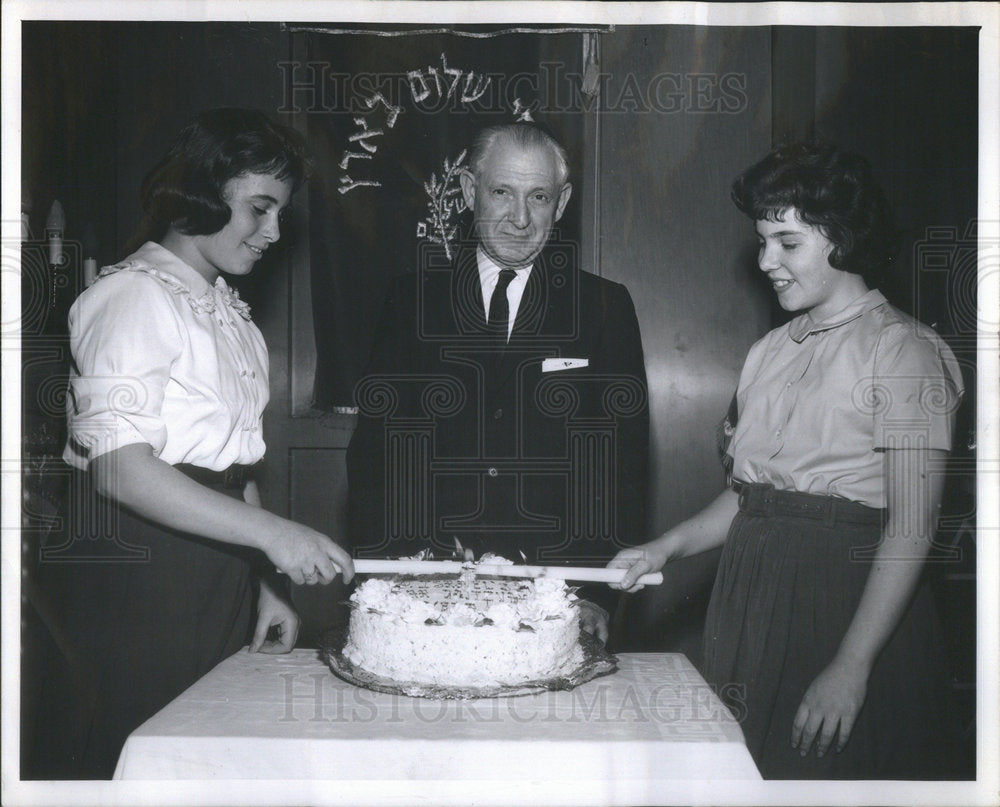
(499, 314)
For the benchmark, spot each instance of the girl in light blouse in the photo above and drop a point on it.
(168, 385)
(817, 615)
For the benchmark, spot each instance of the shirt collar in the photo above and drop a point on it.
(488, 270)
(165, 260)
(803, 325)
(202, 295)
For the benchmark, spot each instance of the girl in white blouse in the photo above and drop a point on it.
(168, 384)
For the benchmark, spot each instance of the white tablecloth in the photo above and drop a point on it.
(288, 717)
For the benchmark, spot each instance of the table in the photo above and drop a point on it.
(653, 722)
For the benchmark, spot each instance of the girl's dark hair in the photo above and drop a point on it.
(185, 189)
(830, 189)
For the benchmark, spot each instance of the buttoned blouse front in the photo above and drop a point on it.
(819, 403)
(163, 357)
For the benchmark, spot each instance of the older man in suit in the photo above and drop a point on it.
(505, 403)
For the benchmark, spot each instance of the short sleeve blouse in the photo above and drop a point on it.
(163, 357)
(820, 402)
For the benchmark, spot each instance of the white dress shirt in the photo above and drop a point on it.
(489, 273)
(161, 356)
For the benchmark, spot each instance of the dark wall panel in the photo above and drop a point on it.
(685, 110)
(168, 72)
(906, 98)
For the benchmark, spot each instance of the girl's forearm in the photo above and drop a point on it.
(914, 493)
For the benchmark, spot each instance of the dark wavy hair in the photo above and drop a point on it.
(830, 189)
(184, 190)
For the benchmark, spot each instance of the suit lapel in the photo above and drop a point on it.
(543, 316)
(468, 315)
(529, 311)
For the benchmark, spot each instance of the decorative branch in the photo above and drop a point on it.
(445, 203)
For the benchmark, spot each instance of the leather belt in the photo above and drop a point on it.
(234, 477)
(759, 499)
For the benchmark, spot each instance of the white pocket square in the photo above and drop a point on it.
(554, 365)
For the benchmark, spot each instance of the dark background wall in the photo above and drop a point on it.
(683, 109)
(669, 232)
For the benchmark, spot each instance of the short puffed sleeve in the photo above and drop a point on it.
(124, 336)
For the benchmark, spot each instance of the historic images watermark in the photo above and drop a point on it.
(963, 265)
(957, 271)
(44, 270)
(316, 87)
(62, 517)
(319, 698)
(954, 268)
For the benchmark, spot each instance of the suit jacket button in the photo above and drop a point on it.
(498, 414)
(492, 472)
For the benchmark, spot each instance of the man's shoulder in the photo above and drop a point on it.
(602, 290)
(598, 282)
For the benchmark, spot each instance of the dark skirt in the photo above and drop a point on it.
(130, 615)
(786, 591)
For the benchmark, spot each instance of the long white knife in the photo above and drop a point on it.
(578, 573)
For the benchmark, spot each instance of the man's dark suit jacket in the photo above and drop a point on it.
(459, 438)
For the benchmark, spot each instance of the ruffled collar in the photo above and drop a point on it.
(202, 296)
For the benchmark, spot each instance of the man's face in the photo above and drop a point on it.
(515, 198)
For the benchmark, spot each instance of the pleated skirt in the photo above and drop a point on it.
(786, 591)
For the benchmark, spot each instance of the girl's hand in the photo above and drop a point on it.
(306, 556)
(132, 476)
(639, 560)
(833, 700)
(914, 485)
(594, 619)
(274, 612)
(703, 531)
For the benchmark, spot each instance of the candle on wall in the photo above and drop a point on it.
(55, 226)
(89, 271)
(89, 255)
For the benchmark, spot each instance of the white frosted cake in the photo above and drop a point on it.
(465, 631)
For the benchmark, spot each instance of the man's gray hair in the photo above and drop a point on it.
(524, 135)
